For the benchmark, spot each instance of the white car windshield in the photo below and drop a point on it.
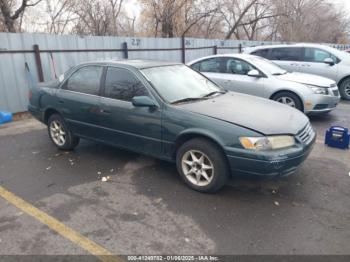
(178, 83)
(267, 66)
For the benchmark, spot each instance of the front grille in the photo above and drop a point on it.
(306, 134)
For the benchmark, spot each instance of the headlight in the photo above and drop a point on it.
(267, 143)
(319, 90)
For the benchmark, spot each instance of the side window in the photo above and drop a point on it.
(209, 65)
(237, 66)
(123, 85)
(317, 55)
(286, 54)
(86, 80)
(196, 66)
(262, 52)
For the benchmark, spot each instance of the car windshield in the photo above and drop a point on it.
(178, 83)
(268, 66)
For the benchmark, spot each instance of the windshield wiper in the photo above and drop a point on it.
(279, 74)
(213, 93)
(188, 99)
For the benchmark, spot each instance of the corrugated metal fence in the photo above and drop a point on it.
(48, 56)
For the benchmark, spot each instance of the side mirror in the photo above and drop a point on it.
(254, 73)
(143, 101)
(329, 61)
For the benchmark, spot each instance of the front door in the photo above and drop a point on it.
(314, 63)
(122, 124)
(235, 77)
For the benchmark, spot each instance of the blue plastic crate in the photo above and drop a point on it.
(338, 136)
(5, 117)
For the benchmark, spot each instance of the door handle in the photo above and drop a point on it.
(60, 101)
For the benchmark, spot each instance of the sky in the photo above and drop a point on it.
(343, 4)
(133, 9)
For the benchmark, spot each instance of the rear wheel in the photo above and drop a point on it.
(60, 134)
(202, 165)
(288, 99)
(344, 89)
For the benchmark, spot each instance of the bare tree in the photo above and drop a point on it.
(11, 13)
(172, 18)
(98, 17)
(60, 14)
(309, 21)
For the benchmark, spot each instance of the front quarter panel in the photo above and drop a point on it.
(178, 122)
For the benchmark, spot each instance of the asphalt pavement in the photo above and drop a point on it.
(144, 208)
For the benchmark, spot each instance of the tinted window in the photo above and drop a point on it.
(262, 52)
(208, 65)
(123, 85)
(237, 66)
(85, 80)
(286, 54)
(317, 55)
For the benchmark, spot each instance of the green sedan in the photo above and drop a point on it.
(171, 112)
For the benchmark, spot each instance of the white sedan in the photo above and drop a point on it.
(260, 77)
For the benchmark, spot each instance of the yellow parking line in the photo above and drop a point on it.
(65, 231)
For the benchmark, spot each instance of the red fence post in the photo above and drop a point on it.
(38, 63)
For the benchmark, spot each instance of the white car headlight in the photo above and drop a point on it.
(319, 90)
(267, 142)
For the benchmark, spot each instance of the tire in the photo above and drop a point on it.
(216, 177)
(60, 133)
(344, 89)
(288, 98)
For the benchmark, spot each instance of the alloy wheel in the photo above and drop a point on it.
(286, 100)
(57, 132)
(347, 89)
(197, 168)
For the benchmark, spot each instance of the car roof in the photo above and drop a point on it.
(138, 64)
(243, 56)
(253, 48)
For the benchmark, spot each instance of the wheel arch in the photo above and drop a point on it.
(343, 79)
(289, 91)
(192, 134)
(49, 112)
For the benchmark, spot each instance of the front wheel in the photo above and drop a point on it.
(60, 134)
(288, 99)
(202, 165)
(344, 89)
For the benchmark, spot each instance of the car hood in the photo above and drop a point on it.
(307, 79)
(258, 114)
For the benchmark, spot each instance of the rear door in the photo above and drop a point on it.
(79, 101)
(211, 68)
(127, 126)
(289, 58)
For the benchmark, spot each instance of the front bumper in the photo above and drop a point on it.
(278, 163)
(318, 104)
